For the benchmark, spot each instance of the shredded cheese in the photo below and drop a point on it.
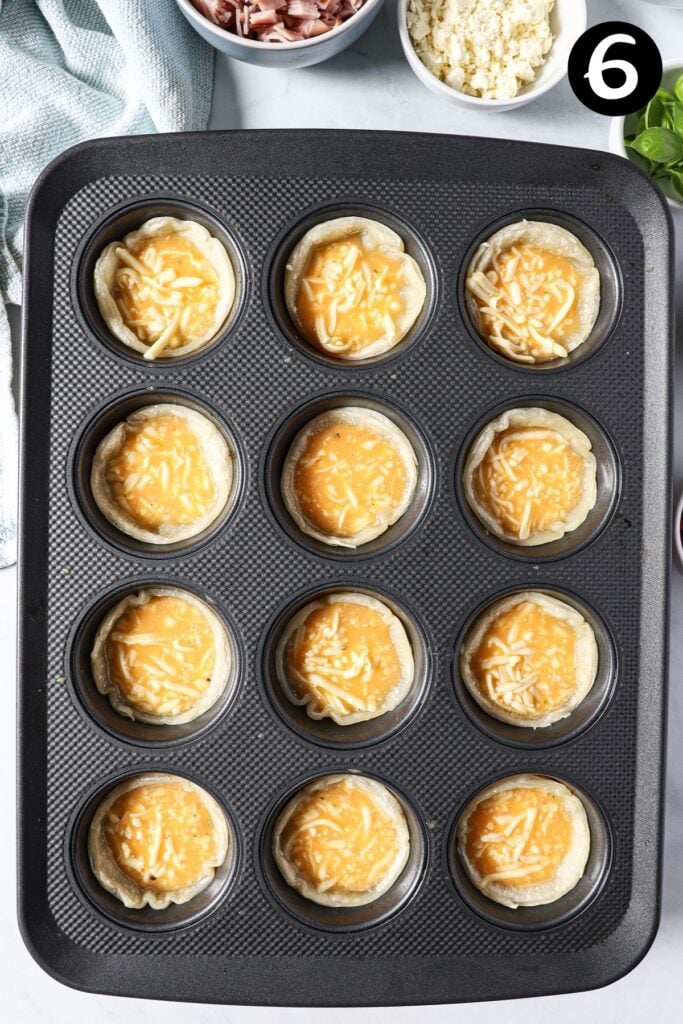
(149, 476)
(161, 835)
(166, 292)
(526, 661)
(528, 302)
(348, 478)
(340, 840)
(161, 655)
(518, 836)
(530, 479)
(342, 659)
(350, 296)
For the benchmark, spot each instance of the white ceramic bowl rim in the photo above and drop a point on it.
(618, 146)
(678, 540)
(446, 90)
(256, 44)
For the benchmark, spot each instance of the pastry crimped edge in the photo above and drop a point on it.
(122, 886)
(543, 419)
(216, 452)
(559, 241)
(569, 871)
(399, 639)
(220, 674)
(210, 247)
(386, 801)
(586, 657)
(374, 235)
(361, 417)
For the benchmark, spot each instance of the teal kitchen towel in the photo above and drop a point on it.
(71, 70)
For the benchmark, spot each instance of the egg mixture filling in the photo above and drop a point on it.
(161, 835)
(343, 659)
(350, 296)
(528, 302)
(348, 478)
(529, 480)
(526, 661)
(161, 655)
(166, 291)
(518, 837)
(159, 475)
(339, 840)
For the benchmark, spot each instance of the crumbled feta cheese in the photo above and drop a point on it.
(485, 48)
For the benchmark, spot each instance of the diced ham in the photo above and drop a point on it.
(278, 21)
(217, 11)
(306, 9)
(263, 19)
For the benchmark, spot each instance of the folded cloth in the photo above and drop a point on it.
(71, 70)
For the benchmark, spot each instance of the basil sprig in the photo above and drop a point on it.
(657, 144)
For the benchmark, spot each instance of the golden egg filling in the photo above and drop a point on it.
(351, 289)
(530, 659)
(349, 475)
(166, 289)
(343, 840)
(531, 477)
(162, 475)
(524, 841)
(345, 657)
(157, 839)
(161, 657)
(534, 292)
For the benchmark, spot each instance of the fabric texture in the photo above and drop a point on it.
(71, 70)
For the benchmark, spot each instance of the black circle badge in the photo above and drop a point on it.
(615, 68)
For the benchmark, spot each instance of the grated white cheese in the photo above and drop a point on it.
(485, 48)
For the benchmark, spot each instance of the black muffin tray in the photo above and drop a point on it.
(432, 938)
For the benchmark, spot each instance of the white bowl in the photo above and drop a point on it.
(567, 21)
(678, 540)
(621, 126)
(283, 55)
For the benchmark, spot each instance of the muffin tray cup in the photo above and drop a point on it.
(432, 938)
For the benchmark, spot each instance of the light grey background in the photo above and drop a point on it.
(371, 86)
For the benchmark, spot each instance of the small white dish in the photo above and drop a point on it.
(283, 55)
(622, 126)
(567, 22)
(678, 538)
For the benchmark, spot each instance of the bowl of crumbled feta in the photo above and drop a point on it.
(490, 54)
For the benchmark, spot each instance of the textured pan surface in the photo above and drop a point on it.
(436, 949)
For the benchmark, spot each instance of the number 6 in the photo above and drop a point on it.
(598, 65)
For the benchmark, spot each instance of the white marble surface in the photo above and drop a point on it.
(371, 87)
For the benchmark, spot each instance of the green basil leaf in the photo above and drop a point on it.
(654, 112)
(677, 183)
(659, 144)
(642, 162)
(678, 88)
(678, 120)
(657, 112)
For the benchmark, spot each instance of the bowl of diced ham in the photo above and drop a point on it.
(280, 33)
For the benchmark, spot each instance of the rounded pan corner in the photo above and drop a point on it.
(49, 948)
(621, 953)
(63, 176)
(632, 940)
(628, 170)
